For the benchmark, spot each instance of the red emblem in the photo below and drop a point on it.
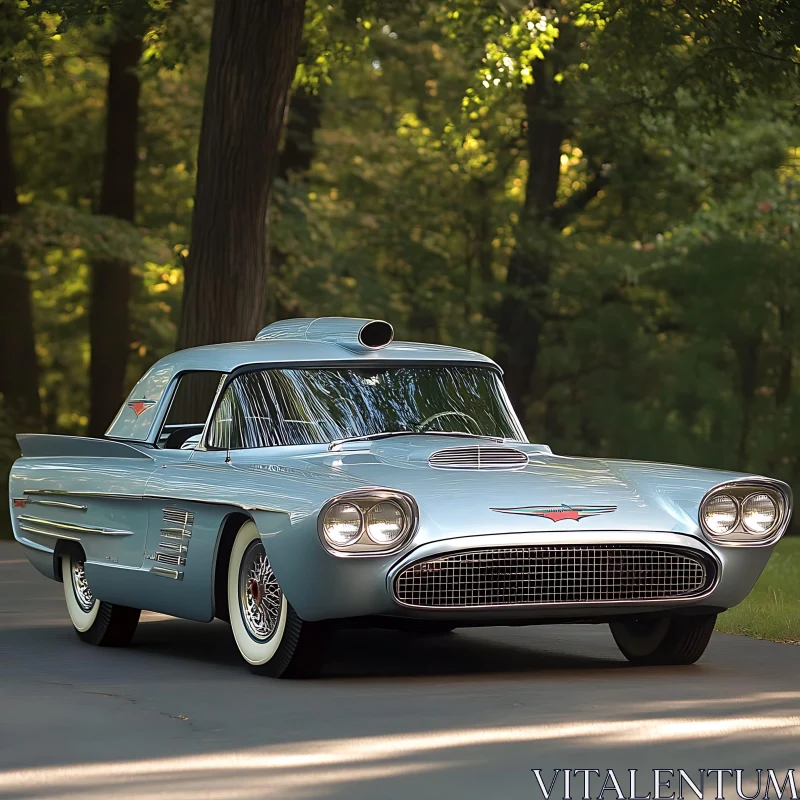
(558, 513)
(20, 502)
(140, 406)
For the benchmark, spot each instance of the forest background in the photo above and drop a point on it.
(603, 196)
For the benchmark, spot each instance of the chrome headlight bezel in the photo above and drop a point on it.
(741, 491)
(365, 500)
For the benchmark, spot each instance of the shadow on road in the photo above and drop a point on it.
(383, 653)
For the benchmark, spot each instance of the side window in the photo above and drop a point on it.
(189, 409)
(246, 414)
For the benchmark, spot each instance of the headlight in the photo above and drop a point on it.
(721, 514)
(368, 522)
(759, 513)
(342, 524)
(386, 522)
(746, 513)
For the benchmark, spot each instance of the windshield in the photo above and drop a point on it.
(315, 406)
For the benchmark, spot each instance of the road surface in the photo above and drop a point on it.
(467, 715)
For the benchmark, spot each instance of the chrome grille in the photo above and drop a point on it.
(177, 516)
(553, 574)
(479, 457)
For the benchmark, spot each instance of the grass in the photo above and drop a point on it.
(772, 609)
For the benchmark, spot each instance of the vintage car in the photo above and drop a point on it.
(325, 474)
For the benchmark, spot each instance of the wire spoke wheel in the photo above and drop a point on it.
(83, 594)
(269, 634)
(260, 596)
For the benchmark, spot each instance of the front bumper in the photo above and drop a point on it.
(324, 586)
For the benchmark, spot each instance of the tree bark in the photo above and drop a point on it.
(109, 316)
(19, 369)
(521, 314)
(253, 58)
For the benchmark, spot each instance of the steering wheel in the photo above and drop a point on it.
(426, 423)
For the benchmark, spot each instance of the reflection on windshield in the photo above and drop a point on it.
(315, 406)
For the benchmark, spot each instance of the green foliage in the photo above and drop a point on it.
(670, 309)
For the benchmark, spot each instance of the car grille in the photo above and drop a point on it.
(478, 458)
(544, 575)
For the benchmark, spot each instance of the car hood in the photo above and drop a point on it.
(597, 494)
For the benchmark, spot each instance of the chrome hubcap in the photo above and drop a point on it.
(260, 597)
(83, 594)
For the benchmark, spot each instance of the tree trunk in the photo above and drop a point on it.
(253, 58)
(19, 369)
(522, 311)
(109, 318)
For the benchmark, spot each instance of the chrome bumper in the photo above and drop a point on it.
(321, 586)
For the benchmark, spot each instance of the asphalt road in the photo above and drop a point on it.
(394, 715)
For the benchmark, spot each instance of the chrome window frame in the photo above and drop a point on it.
(377, 364)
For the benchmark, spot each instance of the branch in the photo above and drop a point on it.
(578, 201)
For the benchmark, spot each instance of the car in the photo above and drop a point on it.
(325, 474)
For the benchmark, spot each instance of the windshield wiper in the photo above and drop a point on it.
(388, 434)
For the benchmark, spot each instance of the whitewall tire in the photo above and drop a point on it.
(270, 636)
(95, 621)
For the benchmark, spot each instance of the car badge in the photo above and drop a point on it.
(558, 513)
(140, 406)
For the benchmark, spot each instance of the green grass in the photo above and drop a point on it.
(772, 609)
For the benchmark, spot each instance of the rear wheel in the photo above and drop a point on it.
(95, 621)
(664, 640)
(271, 637)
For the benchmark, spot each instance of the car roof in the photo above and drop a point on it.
(155, 387)
(280, 352)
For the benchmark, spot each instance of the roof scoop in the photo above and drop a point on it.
(358, 335)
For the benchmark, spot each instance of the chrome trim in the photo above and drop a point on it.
(174, 548)
(179, 516)
(38, 532)
(176, 533)
(58, 504)
(479, 457)
(168, 558)
(739, 490)
(708, 561)
(364, 500)
(71, 526)
(167, 573)
(73, 493)
(159, 498)
(669, 539)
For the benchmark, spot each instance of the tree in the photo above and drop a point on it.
(109, 316)
(19, 370)
(252, 62)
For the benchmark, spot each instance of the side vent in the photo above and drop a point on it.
(486, 458)
(176, 535)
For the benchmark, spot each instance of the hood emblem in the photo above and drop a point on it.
(140, 406)
(558, 513)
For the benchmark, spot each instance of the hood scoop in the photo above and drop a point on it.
(479, 457)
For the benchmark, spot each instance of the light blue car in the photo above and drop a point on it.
(327, 474)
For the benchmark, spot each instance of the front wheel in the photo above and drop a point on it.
(664, 640)
(271, 638)
(95, 621)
